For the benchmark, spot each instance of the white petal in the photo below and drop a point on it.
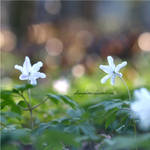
(141, 106)
(105, 78)
(26, 65)
(36, 67)
(105, 68)
(23, 77)
(37, 75)
(119, 74)
(113, 79)
(144, 93)
(18, 67)
(118, 67)
(33, 81)
(42, 75)
(111, 62)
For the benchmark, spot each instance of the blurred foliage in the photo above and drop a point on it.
(91, 116)
(72, 43)
(91, 121)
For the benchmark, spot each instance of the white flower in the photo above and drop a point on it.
(30, 73)
(61, 86)
(112, 70)
(141, 107)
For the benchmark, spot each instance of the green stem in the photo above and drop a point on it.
(135, 134)
(44, 100)
(35, 106)
(30, 108)
(126, 87)
(29, 105)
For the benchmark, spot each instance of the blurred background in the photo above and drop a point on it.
(72, 38)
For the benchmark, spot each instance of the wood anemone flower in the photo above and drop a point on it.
(30, 73)
(141, 106)
(112, 70)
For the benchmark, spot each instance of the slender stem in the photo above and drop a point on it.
(30, 108)
(44, 100)
(130, 99)
(126, 87)
(29, 105)
(135, 134)
(25, 109)
(31, 118)
(21, 94)
(29, 95)
(35, 106)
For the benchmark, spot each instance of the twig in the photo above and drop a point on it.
(35, 106)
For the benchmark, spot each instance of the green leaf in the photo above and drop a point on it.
(7, 100)
(110, 117)
(64, 121)
(11, 115)
(55, 98)
(42, 127)
(88, 130)
(5, 94)
(129, 142)
(72, 129)
(59, 98)
(54, 138)
(22, 104)
(10, 147)
(12, 105)
(16, 109)
(22, 87)
(110, 120)
(75, 113)
(110, 104)
(10, 134)
(68, 101)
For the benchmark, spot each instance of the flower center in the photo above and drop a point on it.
(29, 73)
(114, 72)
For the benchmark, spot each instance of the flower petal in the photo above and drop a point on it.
(105, 68)
(33, 81)
(113, 79)
(26, 65)
(118, 67)
(36, 67)
(18, 67)
(105, 78)
(119, 74)
(37, 75)
(111, 62)
(23, 77)
(141, 106)
(143, 92)
(42, 75)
